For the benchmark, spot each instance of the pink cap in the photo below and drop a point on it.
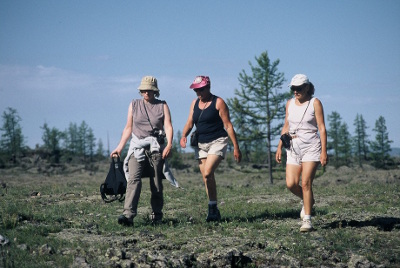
(201, 81)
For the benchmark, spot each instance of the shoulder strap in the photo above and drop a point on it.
(148, 118)
(303, 114)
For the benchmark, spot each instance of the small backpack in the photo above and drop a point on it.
(114, 187)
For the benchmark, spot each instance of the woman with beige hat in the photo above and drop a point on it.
(148, 122)
(305, 149)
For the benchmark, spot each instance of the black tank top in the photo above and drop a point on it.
(210, 126)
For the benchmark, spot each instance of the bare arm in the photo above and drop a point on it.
(169, 131)
(188, 126)
(285, 129)
(319, 116)
(224, 114)
(126, 134)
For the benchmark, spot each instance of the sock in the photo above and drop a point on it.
(212, 202)
(307, 217)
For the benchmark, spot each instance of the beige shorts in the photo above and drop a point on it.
(216, 147)
(301, 152)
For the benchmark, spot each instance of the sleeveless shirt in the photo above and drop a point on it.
(306, 130)
(210, 126)
(140, 124)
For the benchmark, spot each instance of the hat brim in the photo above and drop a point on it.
(148, 88)
(198, 85)
(297, 84)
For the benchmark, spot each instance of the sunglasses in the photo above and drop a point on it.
(297, 89)
(199, 89)
(145, 91)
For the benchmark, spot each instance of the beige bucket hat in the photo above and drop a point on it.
(148, 83)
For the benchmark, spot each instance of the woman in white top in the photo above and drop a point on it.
(304, 119)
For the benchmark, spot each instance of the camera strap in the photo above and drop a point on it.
(148, 118)
(297, 127)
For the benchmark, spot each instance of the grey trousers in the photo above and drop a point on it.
(134, 187)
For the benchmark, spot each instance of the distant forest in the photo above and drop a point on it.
(78, 144)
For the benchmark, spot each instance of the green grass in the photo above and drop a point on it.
(258, 219)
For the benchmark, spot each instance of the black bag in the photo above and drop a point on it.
(114, 187)
(286, 138)
(194, 139)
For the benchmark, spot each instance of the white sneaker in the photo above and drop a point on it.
(306, 226)
(302, 213)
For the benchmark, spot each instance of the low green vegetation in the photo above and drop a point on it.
(53, 221)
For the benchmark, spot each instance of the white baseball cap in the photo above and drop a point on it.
(298, 80)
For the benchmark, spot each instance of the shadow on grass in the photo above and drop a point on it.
(267, 215)
(386, 224)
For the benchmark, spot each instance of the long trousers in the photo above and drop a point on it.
(134, 186)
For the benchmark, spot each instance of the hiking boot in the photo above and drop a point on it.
(156, 218)
(213, 213)
(306, 226)
(125, 221)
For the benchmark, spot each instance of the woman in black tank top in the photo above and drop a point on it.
(210, 114)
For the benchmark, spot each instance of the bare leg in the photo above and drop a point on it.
(307, 177)
(293, 173)
(207, 168)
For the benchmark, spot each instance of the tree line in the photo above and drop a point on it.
(76, 143)
(257, 112)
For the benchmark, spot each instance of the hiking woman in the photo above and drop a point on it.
(304, 119)
(148, 122)
(210, 114)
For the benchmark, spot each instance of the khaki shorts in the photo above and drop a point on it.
(216, 147)
(300, 152)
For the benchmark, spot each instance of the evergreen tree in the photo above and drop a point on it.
(335, 121)
(381, 146)
(91, 144)
(100, 149)
(259, 106)
(12, 141)
(51, 138)
(360, 139)
(345, 144)
(71, 137)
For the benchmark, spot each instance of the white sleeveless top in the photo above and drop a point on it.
(306, 130)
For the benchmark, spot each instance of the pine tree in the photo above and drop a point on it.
(259, 106)
(335, 121)
(12, 141)
(51, 138)
(360, 139)
(345, 144)
(381, 146)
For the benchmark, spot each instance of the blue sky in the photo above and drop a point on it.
(74, 61)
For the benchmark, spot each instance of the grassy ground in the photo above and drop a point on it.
(61, 221)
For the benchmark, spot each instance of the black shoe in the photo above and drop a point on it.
(213, 213)
(125, 221)
(156, 218)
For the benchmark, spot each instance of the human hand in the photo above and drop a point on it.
(278, 155)
(167, 151)
(237, 154)
(324, 159)
(115, 153)
(183, 142)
